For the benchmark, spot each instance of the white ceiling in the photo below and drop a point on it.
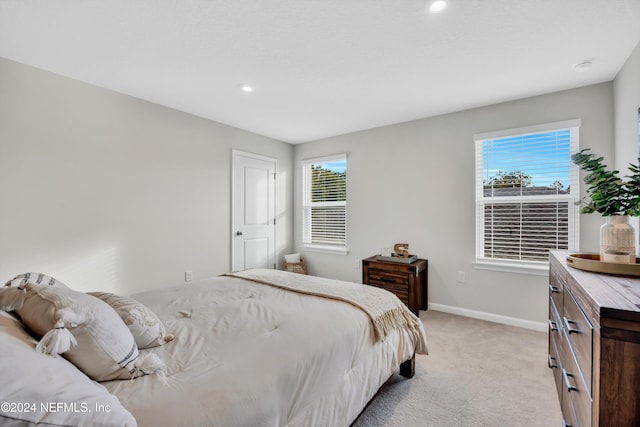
(322, 67)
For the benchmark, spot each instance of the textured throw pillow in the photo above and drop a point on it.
(38, 389)
(85, 329)
(147, 329)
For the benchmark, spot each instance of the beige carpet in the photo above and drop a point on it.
(477, 373)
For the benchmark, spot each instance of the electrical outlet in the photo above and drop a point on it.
(188, 276)
(461, 277)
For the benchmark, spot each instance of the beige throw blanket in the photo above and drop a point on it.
(385, 311)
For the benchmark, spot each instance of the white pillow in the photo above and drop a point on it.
(85, 329)
(292, 258)
(148, 331)
(48, 383)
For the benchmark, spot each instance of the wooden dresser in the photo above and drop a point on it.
(594, 345)
(407, 281)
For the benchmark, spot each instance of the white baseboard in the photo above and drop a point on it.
(497, 318)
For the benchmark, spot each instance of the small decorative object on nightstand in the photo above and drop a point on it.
(407, 281)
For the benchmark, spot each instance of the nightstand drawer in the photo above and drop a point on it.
(392, 281)
(402, 296)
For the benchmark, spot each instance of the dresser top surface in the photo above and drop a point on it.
(613, 296)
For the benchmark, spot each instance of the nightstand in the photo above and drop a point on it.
(407, 281)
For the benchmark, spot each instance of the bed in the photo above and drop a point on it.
(255, 348)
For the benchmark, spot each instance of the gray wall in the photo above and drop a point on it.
(414, 182)
(626, 87)
(627, 101)
(109, 192)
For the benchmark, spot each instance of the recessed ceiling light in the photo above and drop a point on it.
(583, 66)
(246, 88)
(437, 6)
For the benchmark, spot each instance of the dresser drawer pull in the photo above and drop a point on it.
(566, 375)
(553, 289)
(552, 325)
(567, 324)
(552, 362)
(564, 424)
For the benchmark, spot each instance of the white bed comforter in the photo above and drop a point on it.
(248, 354)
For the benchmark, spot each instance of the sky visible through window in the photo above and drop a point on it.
(339, 166)
(544, 157)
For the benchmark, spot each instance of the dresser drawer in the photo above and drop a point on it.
(556, 344)
(575, 392)
(555, 320)
(557, 285)
(556, 292)
(555, 363)
(568, 412)
(579, 334)
(556, 295)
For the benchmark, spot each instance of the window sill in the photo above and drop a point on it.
(325, 249)
(513, 267)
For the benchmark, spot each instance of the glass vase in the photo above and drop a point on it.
(618, 240)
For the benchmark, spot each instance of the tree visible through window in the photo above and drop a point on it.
(526, 188)
(325, 203)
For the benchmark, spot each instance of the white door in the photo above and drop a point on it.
(253, 211)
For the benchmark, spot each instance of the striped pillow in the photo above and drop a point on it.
(36, 279)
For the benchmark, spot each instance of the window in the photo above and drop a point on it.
(324, 203)
(526, 189)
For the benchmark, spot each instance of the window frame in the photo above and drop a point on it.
(307, 204)
(525, 266)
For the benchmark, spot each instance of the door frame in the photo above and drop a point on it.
(234, 156)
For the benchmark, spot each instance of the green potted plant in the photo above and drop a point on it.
(614, 198)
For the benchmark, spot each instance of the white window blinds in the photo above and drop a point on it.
(324, 216)
(526, 189)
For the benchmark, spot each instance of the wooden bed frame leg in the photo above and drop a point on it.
(408, 367)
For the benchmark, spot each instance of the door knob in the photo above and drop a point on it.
(238, 233)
